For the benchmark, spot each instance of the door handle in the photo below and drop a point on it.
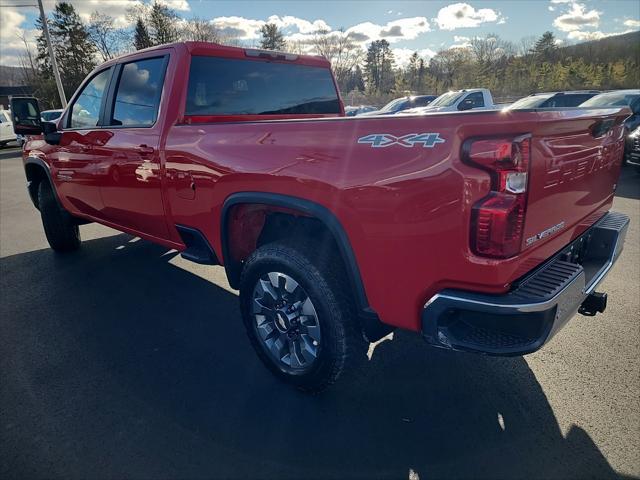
(144, 149)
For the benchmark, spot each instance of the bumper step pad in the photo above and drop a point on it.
(538, 306)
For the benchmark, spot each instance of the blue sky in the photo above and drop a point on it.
(425, 26)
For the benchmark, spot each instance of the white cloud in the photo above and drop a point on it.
(402, 55)
(577, 18)
(463, 15)
(180, 5)
(11, 33)
(13, 21)
(551, 8)
(297, 29)
(402, 29)
(302, 25)
(631, 23)
(238, 27)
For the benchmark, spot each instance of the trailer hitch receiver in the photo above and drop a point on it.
(596, 302)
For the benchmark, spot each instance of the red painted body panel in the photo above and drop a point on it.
(406, 211)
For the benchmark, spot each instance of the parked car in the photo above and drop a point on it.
(51, 115)
(455, 101)
(352, 111)
(453, 226)
(6, 128)
(553, 99)
(401, 104)
(619, 98)
(632, 148)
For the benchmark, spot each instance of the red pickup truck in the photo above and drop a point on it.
(485, 231)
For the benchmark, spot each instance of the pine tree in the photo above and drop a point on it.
(141, 38)
(412, 73)
(545, 48)
(379, 66)
(272, 38)
(72, 47)
(163, 24)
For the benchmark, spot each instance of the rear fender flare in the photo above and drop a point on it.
(314, 210)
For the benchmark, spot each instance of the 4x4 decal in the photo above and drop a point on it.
(378, 140)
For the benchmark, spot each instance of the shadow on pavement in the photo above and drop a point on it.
(116, 363)
(10, 152)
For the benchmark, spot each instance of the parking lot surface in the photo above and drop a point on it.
(124, 360)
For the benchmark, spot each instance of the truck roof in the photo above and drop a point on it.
(218, 50)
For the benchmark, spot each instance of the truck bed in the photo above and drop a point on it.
(406, 208)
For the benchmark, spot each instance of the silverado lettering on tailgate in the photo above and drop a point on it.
(427, 140)
(560, 170)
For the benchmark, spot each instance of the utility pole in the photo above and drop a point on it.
(54, 65)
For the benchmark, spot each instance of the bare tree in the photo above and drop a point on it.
(340, 49)
(108, 40)
(448, 64)
(525, 47)
(490, 49)
(28, 66)
(199, 30)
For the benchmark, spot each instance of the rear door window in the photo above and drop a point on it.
(224, 86)
(476, 98)
(137, 96)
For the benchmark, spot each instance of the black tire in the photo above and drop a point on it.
(62, 232)
(342, 347)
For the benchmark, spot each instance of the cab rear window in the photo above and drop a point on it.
(224, 86)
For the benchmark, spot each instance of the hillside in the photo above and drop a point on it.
(610, 49)
(10, 76)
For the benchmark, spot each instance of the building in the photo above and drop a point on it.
(7, 92)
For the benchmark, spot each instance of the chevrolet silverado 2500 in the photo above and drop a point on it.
(485, 231)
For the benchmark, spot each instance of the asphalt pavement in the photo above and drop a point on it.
(123, 360)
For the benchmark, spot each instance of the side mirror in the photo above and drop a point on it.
(465, 105)
(25, 114)
(51, 134)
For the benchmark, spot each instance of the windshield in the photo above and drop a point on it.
(393, 105)
(612, 99)
(446, 99)
(529, 102)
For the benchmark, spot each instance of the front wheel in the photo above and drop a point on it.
(297, 316)
(61, 230)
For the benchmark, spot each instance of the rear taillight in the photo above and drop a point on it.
(498, 219)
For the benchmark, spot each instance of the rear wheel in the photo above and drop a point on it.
(60, 228)
(297, 316)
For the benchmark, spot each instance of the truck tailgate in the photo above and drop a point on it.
(574, 169)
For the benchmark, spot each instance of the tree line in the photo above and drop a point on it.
(372, 75)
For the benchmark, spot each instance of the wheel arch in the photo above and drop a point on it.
(37, 170)
(370, 321)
